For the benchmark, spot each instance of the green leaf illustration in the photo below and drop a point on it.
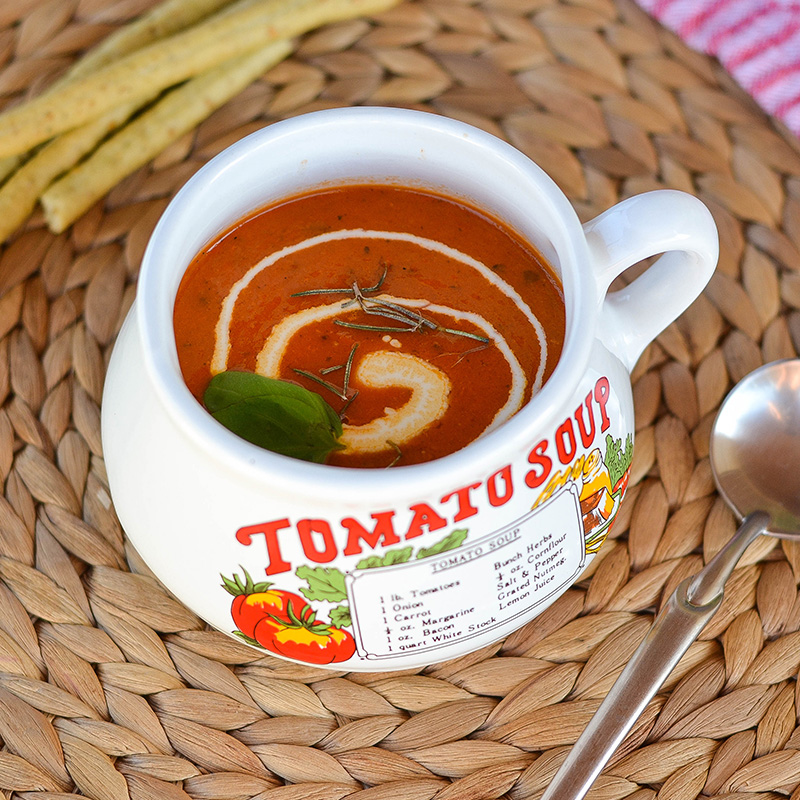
(340, 616)
(450, 542)
(399, 556)
(274, 414)
(237, 586)
(324, 583)
(618, 460)
(245, 638)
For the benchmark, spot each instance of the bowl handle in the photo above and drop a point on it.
(664, 221)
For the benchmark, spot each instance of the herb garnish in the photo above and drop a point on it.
(410, 320)
(344, 392)
(275, 414)
(289, 419)
(397, 451)
(340, 393)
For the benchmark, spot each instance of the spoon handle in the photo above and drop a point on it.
(676, 626)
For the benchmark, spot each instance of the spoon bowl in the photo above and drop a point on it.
(755, 446)
(755, 460)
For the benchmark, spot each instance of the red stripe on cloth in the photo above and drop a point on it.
(783, 108)
(726, 32)
(659, 7)
(761, 45)
(691, 25)
(757, 41)
(770, 78)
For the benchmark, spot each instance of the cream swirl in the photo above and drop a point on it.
(429, 386)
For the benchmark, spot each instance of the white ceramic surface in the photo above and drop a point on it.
(198, 502)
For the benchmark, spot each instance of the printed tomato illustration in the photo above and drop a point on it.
(254, 601)
(284, 623)
(314, 642)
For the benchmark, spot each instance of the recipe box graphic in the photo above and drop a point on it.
(431, 603)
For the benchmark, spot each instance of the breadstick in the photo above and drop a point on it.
(146, 136)
(161, 21)
(8, 165)
(20, 192)
(170, 61)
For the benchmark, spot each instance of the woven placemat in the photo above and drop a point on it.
(110, 689)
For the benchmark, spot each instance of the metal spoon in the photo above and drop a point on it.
(755, 460)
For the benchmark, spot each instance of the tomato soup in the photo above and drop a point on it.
(421, 321)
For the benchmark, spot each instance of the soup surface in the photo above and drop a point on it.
(423, 322)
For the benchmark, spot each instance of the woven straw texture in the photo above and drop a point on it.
(110, 689)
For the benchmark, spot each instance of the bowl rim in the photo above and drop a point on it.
(153, 313)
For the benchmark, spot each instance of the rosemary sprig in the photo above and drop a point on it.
(395, 312)
(371, 308)
(415, 321)
(356, 290)
(348, 367)
(322, 382)
(380, 328)
(405, 312)
(382, 278)
(388, 310)
(468, 335)
(358, 297)
(398, 452)
(344, 408)
(344, 392)
(462, 355)
(320, 291)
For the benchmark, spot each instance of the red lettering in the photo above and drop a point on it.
(424, 517)
(587, 437)
(356, 531)
(491, 486)
(270, 532)
(542, 465)
(602, 392)
(307, 528)
(465, 507)
(565, 442)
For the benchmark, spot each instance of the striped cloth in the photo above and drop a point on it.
(757, 41)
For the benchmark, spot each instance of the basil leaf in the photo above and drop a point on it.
(274, 414)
